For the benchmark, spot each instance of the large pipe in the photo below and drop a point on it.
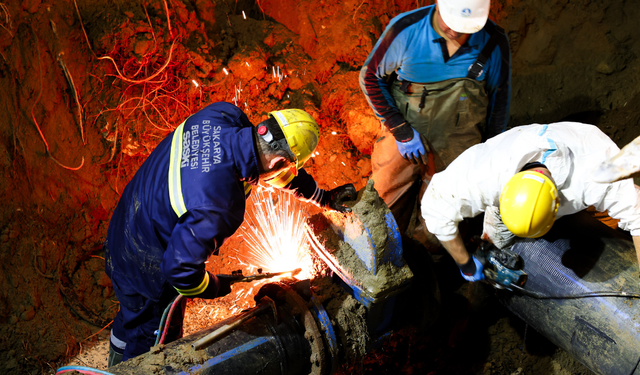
(581, 255)
(289, 343)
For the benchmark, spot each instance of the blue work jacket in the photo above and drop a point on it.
(186, 199)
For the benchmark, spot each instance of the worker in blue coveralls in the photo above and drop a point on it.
(186, 199)
(439, 81)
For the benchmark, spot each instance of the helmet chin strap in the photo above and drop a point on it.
(534, 164)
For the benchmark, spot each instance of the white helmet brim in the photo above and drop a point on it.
(464, 16)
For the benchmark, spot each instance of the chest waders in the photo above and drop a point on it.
(451, 116)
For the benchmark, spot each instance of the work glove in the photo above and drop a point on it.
(334, 199)
(224, 283)
(472, 270)
(219, 286)
(411, 144)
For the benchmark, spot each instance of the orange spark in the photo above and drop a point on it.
(276, 234)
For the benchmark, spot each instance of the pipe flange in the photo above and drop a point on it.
(279, 291)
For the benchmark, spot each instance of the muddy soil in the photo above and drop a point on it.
(88, 88)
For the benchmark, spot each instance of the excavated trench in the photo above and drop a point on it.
(88, 88)
(313, 326)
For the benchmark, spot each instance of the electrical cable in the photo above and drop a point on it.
(82, 370)
(537, 295)
(512, 287)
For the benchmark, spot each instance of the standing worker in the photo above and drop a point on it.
(439, 81)
(523, 180)
(186, 199)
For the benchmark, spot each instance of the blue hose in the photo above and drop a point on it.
(162, 320)
(82, 370)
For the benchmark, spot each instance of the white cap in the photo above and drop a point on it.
(464, 16)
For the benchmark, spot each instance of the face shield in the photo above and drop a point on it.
(282, 177)
(293, 131)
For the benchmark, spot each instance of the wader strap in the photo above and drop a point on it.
(423, 98)
(475, 70)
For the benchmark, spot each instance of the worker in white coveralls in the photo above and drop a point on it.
(523, 180)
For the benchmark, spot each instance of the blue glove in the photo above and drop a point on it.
(413, 149)
(472, 270)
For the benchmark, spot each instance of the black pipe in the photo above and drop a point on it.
(580, 256)
(263, 344)
(260, 346)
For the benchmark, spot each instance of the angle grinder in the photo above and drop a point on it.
(502, 267)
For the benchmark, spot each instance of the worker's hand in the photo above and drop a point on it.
(224, 283)
(218, 286)
(411, 144)
(472, 270)
(334, 199)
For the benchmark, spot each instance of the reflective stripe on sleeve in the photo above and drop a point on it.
(175, 184)
(197, 290)
(318, 194)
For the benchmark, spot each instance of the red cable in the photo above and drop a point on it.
(167, 323)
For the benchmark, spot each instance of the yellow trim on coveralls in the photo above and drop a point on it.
(175, 183)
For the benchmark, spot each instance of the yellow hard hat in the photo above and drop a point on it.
(529, 204)
(302, 134)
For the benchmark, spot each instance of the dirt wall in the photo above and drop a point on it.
(88, 88)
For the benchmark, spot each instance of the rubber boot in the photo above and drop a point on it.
(114, 357)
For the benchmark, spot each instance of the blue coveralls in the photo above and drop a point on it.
(186, 199)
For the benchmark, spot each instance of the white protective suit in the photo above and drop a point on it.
(571, 151)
